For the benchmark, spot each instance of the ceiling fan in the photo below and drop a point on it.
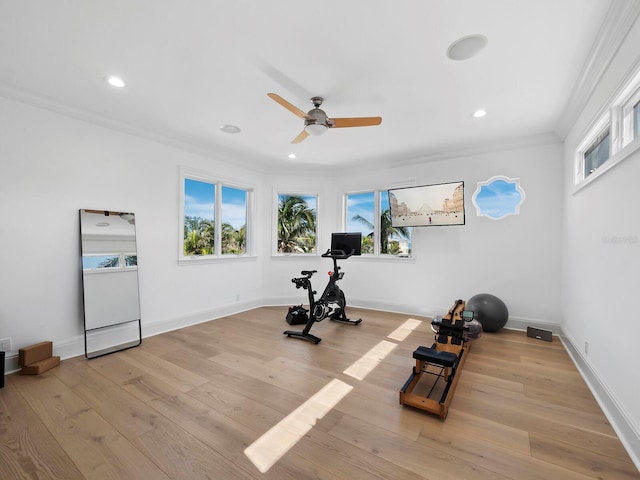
(316, 121)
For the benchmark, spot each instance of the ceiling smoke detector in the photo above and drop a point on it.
(229, 129)
(466, 47)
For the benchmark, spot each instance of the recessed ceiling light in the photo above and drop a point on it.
(229, 129)
(466, 47)
(479, 113)
(292, 156)
(116, 81)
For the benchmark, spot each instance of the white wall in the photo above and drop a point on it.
(516, 258)
(50, 167)
(601, 263)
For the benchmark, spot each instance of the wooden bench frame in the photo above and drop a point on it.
(450, 367)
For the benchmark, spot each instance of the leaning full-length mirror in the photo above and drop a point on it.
(110, 281)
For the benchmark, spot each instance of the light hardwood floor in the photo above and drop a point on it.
(186, 404)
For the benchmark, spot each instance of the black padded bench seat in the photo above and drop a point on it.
(426, 354)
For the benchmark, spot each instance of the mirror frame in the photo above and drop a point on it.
(90, 324)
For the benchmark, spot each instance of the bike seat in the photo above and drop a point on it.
(308, 272)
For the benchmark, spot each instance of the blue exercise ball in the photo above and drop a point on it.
(489, 310)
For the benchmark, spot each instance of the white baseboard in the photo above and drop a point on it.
(627, 432)
(149, 329)
(514, 323)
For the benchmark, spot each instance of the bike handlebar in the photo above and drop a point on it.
(338, 254)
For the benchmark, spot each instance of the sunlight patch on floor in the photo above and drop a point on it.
(404, 330)
(370, 360)
(271, 446)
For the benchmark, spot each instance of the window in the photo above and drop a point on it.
(233, 231)
(369, 213)
(636, 120)
(297, 223)
(597, 153)
(630, 112)
(614, 137)
(214, 220)
(498, 197)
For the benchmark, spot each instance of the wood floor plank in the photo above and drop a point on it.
(183, 379)
(346, 461)
(128, 415)
(382, 406)
(27, 448)
(220, 433)
(424, 461)
(96, 448)
(186, 457)
(578, 459)
(186, 404)
(499, 459)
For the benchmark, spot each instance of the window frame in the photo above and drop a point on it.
(629, 125)
(274, 222)
(219, 182)
(593, 146)
(377, 212)
(618, 116)
(589, 141)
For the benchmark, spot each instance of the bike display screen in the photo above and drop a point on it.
(349, 243)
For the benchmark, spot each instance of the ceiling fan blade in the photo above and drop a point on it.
(356, 122)
(303, 134)
(292, 108)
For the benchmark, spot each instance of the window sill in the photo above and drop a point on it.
(216, 259)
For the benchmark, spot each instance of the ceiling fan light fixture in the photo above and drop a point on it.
(315, 128)
(466, 47)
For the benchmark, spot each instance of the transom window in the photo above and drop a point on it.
(214, 218)
(636, 120)
(369, 213)
(597, 153)
(614, 137)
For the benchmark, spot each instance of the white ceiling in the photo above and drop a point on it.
(191, 66)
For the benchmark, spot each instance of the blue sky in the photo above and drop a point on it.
(199, 200)
(362, 204)
(499, 198)
(312, 200)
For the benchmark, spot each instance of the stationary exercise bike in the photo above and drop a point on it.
(332, 303)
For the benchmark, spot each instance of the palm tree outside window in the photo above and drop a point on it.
(378, 235)
(297, 223)
(215, 219)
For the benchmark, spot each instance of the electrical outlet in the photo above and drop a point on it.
(237, 297)
(5, 345)
(586, 347)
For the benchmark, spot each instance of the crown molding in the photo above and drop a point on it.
(454, 151)
(620, 18)
(218, 152)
